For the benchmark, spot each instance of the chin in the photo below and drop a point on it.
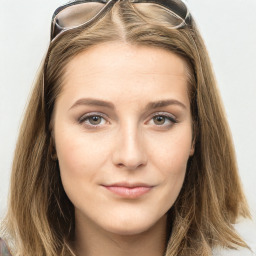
(125, 231)
(131, 225)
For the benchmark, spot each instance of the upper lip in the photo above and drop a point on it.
(128, 185)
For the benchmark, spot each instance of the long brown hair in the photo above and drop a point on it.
(40, 218)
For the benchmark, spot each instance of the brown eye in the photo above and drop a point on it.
(159, 120)
(95, 120)
(92, 120)
(165, 120)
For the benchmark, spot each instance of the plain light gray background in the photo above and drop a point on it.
(229, 30)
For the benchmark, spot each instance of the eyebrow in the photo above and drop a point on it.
(110, 105)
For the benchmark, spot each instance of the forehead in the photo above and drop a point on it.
(112, 69)
(116, 56)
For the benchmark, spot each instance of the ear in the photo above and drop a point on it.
(193, 143)
(51, 129)
(194, 137)
(53, 152)
(192, 149)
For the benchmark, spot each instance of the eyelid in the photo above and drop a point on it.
(166, 114)
(170, 120)
(89, 114)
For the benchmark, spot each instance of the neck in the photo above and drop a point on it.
(91, 240)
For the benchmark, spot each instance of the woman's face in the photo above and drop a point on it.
(123, 135)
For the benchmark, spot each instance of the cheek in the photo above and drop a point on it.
(170, 153)
(70, 153)
(79, 156)
(79, 159)
(171, 160)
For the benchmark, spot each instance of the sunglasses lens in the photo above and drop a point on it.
(169, 16)
(75, 15)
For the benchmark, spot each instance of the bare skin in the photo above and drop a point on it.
(123, 162)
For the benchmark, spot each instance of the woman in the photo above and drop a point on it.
(124, 149)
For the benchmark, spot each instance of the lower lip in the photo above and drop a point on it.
(127, 192)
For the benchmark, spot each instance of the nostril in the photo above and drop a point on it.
(120, 165)
(131, 166)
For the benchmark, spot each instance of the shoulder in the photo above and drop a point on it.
(247, 230)
(4, 251)
(230, 252)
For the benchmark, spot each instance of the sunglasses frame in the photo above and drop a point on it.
(170, 5)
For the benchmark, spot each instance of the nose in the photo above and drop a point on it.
(129, 151)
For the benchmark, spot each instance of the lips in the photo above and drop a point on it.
(129, 190)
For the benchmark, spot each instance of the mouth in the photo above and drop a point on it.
(129, 190)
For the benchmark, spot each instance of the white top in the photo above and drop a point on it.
(239, 252)
(247, 230)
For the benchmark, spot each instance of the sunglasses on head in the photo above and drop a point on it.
(83, 13)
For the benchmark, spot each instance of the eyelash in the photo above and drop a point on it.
(85, 117)
(169, 117)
